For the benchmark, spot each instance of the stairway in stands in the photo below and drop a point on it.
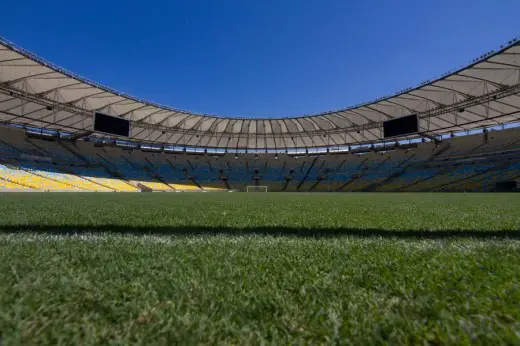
(437, 152)
(354, 177)
(403, 165)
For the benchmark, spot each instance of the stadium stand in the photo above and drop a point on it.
(461, 163)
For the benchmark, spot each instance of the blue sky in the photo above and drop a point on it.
(260, 58)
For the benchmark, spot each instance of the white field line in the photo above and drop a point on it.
(459, 245)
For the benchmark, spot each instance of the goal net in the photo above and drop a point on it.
(256, 188)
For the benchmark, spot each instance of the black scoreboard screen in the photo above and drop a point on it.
(401, 126)
(111, 125)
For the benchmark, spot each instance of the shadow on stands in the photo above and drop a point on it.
(262, 231)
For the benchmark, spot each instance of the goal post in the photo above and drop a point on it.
(256, 188)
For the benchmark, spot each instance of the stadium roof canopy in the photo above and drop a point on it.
(36, 93)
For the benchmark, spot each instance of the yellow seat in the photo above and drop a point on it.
(154, 185)
(113, 183)
(5, 184)
(185, 187)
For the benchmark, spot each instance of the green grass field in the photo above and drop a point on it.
(236, 268)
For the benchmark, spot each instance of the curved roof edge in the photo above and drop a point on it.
(36, 93)
(71, 74)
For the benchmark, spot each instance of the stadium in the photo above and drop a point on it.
(323, 228)
(462, 137)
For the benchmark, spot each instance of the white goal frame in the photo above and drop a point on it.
(251, 188)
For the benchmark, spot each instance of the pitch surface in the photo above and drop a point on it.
(251, 268)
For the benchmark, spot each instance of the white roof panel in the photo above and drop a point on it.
(482, 93)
